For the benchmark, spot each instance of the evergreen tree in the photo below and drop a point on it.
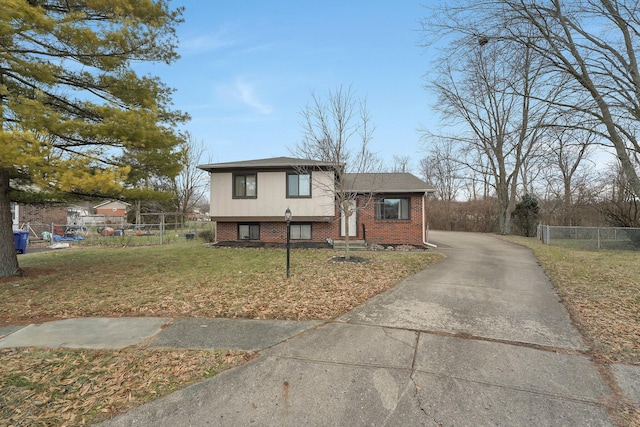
(525, 215)
(71, 104)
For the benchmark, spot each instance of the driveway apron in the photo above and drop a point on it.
(478, 339)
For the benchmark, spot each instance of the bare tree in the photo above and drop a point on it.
(190, 186)
(441, 168)
(568, 150)
(620, 206)
(592, 42)
(337, 130)
(400, 164)
(491, 94)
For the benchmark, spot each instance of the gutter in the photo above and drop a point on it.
(425, 226)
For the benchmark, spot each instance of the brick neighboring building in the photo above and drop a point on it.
(249, 198)
(39, 217)
(114, 211)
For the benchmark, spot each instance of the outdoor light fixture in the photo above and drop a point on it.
(287, 219)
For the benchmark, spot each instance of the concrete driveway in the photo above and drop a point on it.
(478, 339)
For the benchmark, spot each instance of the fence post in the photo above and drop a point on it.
(598, 237)
(548, 236)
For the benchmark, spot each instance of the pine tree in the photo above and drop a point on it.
(71, 103)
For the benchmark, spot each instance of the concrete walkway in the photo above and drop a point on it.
(478, 339)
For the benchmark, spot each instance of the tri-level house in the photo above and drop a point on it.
(249, 200)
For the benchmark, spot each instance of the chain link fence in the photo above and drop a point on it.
(590, 237)
(121, 234)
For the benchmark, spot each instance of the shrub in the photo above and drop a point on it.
(208, 236)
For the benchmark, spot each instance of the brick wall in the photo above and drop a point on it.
(40, 217)
(226, 231)
(113, 213)
(392, 232)
(276, 232)
(384, 232)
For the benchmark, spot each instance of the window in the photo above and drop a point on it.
(245, 186)
(392, 208)
(298, 185)
(248, 231)
(300, 231)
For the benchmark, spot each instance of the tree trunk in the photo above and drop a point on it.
(8, 258)
(347, 216)
(138, 216)
(504, 201)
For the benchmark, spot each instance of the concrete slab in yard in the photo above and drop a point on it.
(512, 366)
(458, 402)
(273, 391)
(110, 333)
(8, 330)
(353, 344)
(230, 334)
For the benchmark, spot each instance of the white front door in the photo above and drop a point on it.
(353, 223)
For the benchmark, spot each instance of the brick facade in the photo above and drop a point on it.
(276, 232)
(114, 213)
(41, 217)
(383, 232)
(392, 232)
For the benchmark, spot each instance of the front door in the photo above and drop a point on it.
(353, 223)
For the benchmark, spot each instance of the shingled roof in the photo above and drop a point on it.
(386, 183)
(271, 163)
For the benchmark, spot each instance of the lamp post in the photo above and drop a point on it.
(287, 219)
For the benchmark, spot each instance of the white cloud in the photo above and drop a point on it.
(208, 42)
(243, 92)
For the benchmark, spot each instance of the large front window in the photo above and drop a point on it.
(248, 231)
(397, 208)
(245, 186)
(298, 185)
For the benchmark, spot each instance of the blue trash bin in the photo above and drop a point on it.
(20, 238)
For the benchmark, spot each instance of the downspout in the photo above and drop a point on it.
(425, 227)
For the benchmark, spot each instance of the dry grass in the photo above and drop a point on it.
(187, 280)
(76, 387)
(601, 290)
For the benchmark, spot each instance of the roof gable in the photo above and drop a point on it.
(116, 203)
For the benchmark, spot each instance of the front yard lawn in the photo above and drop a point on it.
(78, 387)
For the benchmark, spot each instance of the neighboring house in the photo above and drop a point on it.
(38, 218)
(76, 213)
(249, 199)
(55, 217)
(114, 211)
(195, 215)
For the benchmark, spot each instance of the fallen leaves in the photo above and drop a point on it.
(601, 290)
(203, 282)
(75, 387)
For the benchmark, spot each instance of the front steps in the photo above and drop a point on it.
(354, 245)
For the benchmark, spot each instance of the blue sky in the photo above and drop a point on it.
(248, 68)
